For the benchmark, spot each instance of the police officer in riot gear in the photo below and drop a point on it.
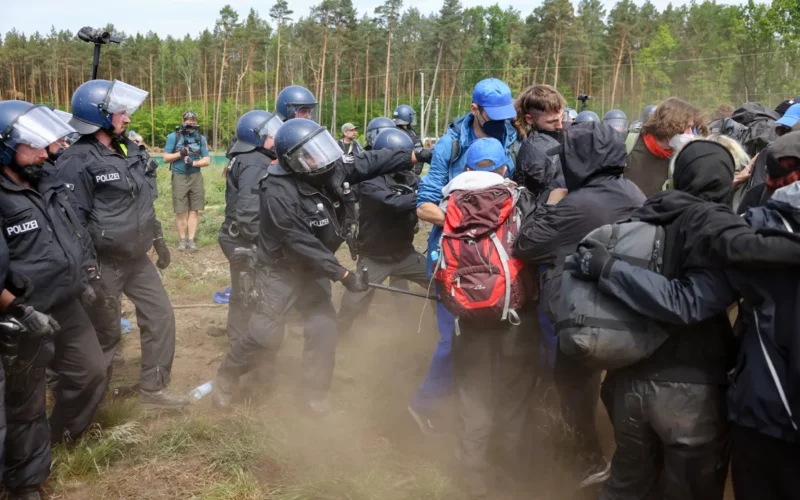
(108, 175)
(296, 102)
(405, 118)
(387, 225)
(587, 116)
(253, 152)
(305, 205)
(47, 243)
(375, 127)
(617, 119)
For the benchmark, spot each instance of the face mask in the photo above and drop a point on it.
(495, 128)
(29, 173)
(679, 141)
(55, 156)
(270, 153)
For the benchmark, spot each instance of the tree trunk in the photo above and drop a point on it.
(335, 91)
(205, 86)
(433, 89)
(219, 97)
(536, 70)
(152, 106)
(455, 81)
(278, 65)
(321, 87)
(557, 58)
(617, 66)
(388, 65)
(366, 90)
(546, 63)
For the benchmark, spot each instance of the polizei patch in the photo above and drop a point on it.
(22, 228)
(107, 177)
(319, 223)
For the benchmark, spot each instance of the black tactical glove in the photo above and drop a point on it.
(424, 156)
(591, 261)
(37, 324)
(163, 253)
(20, 286)
(355, 282)
(189, 163)
(184, 152)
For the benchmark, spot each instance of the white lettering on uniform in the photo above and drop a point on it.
(23, 228)
(319, 223)
(107, 177)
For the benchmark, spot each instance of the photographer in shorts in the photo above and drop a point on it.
(187, 151)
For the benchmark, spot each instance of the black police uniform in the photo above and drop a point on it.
(48, 244)
(300, 229)
(387, 225)
(240, 228)
(417, 146)
(4, 264)
(115, 197)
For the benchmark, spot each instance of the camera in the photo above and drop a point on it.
(583, 98)
(97, 36)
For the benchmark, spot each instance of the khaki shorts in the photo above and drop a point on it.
(188, 193)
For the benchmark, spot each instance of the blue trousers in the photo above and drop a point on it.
(438, 383)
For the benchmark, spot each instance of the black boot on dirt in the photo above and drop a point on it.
(222, 395)
(24, 495)
(216, 331)
(163, 399)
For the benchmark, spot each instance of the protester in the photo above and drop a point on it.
(187, 152)
(669, 127)
(689, 371)
(490, 115)
(493, 360)
(592, 158)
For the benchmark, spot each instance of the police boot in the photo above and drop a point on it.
(24, 495)
(163, 399)
(224, 387)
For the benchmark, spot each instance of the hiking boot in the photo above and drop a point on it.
(183, 245)
(24, 495)
(163, 399)
(191, 246)
(222, 394)
(424, 423)
(599, 471)
(216, 331)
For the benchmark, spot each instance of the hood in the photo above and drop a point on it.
(704, 169)
(665, 206)
(753, 112)
(471, 181)
(760, 121)
(589, 149)
(535, 170)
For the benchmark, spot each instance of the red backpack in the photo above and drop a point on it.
(479, 280)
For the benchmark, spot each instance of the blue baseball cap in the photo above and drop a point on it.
(486, 154)
(791, 117)
(495, 97)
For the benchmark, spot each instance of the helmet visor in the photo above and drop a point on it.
(618, 123)
(39, 127)
(373, 133)
(270, 127)
(124, 98)
(315, 154)
(307, 111)
(412, 119)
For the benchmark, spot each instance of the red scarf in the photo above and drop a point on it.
(653, 146)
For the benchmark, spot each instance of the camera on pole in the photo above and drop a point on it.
(98, 37)
(583, 98)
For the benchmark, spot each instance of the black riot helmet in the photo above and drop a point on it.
(646, 112)
(404, 115)
(296, 102)
(375, 127)
(306, 148)
(617, 119)
(392, 138)
(587, 116)
(252, 129)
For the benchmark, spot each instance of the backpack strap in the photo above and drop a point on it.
(610, 324)
(774, 374)
(455, 150)
(501, 251)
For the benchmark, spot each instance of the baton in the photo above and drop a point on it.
(378, 286)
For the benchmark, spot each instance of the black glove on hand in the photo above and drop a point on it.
(38, 324)
(189, 163)
(88, 296)
(20, 286)
(424, 156)
(354, 283)
(163, 253)
(184, 152)
(591, 261)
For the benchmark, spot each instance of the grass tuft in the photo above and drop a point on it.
(242, 487)
(94, 452)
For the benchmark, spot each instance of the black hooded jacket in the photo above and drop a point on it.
(535, 169)
(388, 215)
(592, 159)
(701, 234)
(245, 170)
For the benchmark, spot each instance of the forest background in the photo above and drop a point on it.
(361, 65)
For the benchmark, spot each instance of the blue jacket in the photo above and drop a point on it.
(442, 170)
